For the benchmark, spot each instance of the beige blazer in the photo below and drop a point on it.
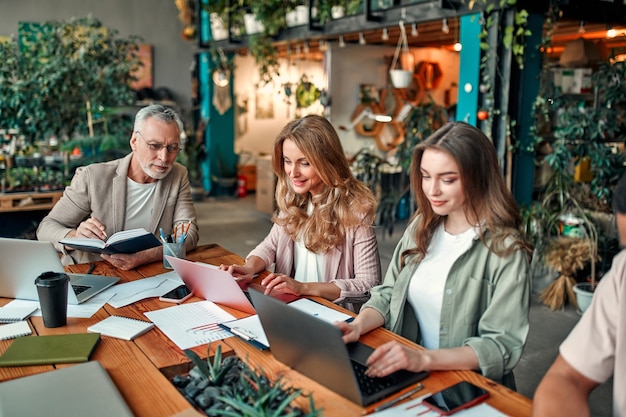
(99, 190)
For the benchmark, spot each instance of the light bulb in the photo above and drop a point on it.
(611, 33)
(414, 32)
(362, 39)
(457, 46)
(444, 26)
(385, 35)
(342, 43)
(581, 28)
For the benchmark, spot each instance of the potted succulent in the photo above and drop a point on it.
(228, 386)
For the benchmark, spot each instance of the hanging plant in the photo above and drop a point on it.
(306, 93)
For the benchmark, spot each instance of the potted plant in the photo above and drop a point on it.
(231, 387)
(584, 169)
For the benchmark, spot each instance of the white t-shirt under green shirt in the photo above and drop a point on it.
(428, 282)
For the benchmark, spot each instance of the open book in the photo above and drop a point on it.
(126, 241)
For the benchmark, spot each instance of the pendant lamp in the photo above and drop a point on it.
(400, 78)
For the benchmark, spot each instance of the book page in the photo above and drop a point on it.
(125, 235)
(83, 241)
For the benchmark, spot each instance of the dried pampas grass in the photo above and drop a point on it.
(565, 255)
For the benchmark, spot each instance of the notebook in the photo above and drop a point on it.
(85, 389)
(316, 349)
(209, 282)
(51, 349)
(121, 327)
(9, 314)
(13, 330)
(23, 260)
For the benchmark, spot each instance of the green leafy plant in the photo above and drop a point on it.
(56, 70)
(229, 387)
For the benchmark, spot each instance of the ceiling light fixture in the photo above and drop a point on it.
(610, 32)
(385, 35)
(444, 26)
(414, 31)
(362, 40)
(342, 43)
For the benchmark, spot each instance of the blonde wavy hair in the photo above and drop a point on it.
(344, 201)
(487, 197)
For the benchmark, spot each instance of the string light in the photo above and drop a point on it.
(362, 40)
(342, 43)
(414, 32)
(581, 28)
(385, 35)
(444, 26)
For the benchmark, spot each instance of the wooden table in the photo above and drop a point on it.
(141, 368)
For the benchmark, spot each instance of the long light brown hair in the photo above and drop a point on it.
(487, 197)
(343, 203)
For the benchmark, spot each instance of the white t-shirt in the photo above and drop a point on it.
(139, 204)
(428, 282)
(309, 266)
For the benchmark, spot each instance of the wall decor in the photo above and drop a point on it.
(144, 72)
(264, 105)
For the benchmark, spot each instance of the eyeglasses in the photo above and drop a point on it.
(156, 147)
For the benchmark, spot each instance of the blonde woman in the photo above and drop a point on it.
(322, 242)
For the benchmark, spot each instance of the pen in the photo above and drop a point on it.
(163, 239)
(396, 400)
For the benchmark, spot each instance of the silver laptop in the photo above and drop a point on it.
(316, 349)
(85, 389)
(23, 260)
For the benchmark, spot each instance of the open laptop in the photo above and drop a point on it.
(84, 389)
(213, 284)
(316, 349)
(23, 260)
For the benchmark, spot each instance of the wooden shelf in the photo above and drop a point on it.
(29, 201)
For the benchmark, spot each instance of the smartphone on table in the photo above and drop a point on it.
(455, 398)
(177, 295)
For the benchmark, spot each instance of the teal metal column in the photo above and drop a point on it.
(469, 69)
(221, 160)
(524, 160)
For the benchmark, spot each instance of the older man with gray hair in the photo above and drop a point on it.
(147, 188)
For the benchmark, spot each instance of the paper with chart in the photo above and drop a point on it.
(134, 291)
(415, 408)
(192, 324)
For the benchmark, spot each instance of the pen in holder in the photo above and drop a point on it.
(176, 249)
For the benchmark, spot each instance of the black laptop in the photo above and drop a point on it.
(316, 349)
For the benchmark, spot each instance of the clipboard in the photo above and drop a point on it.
(248, 329)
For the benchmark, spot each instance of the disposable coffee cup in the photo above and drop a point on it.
(52, 290)
(176, 250)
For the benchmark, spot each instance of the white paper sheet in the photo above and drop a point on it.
(83, 310)
(134, 291)
(192, 324)
(320, 310)
(415, 408)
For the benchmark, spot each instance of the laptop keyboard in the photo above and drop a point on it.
(370, 385)
(80, 288)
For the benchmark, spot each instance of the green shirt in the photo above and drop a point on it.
(485, 304)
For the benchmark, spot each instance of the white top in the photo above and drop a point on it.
(139, 205)
(309, 266)
(427, 284)
(596, 346)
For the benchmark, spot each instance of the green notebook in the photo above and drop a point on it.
(45, 350)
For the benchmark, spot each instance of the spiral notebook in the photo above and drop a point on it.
(10, 314)
(13, 330)
(121, 327)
